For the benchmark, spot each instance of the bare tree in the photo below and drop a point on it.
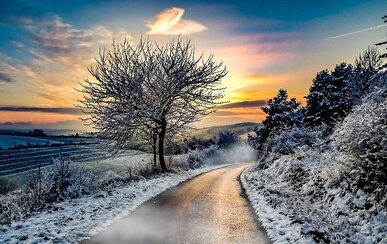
(384, 54)
(366, 65)
(369, 60)
(138, 87)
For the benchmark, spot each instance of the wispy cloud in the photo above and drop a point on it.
(357, 32)
(170, 22)
(60, 110)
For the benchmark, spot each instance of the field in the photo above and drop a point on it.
(16, 161)
(7, 141)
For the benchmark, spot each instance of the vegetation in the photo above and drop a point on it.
(150, 91)
(326, 168)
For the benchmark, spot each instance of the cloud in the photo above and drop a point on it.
(60, 110)
(57, 36)
(170, 22)
(55, 58)
(357, 32)
(261, 52)
(6, 78)
(244, 104)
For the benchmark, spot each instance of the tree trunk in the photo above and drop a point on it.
(161, 146)
(155, 152)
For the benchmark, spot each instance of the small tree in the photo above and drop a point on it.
(146, 85)
(59, 178)
(282, 113)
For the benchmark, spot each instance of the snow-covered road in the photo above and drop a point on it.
(210, 208)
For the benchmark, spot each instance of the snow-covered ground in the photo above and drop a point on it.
(280, 228)
(74, 220)
(130, 159)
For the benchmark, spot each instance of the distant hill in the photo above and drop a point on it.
(240, 129)
(58, 128)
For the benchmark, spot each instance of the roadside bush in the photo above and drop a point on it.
(15, 206)
(66, 180)
(363, 137)
(289, 141)
(197, 158)
(36, 189)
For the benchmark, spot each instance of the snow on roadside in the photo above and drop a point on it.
(77, 219)
(278, 226)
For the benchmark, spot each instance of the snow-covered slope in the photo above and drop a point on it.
(326, 190)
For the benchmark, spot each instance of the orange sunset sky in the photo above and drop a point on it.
(46, 47)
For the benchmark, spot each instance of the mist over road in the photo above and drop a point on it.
(209, 208)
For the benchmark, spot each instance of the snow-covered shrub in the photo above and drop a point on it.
(197, 158)
(18, 205)
(289, 141)
(15, 206)
(112, 180)
(363, 137)
(67, 180)
(37, 189)
(379, 80)
(297, 186)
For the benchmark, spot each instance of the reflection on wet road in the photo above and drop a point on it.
(209, 208)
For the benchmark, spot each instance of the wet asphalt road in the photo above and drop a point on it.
(210, 208)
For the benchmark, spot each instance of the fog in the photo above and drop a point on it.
(238, 153)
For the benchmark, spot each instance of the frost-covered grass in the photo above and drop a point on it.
(332, 190)
(77, 219)
(120, 164)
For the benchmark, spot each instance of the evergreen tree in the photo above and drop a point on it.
(281, 114)
(329, 97)
(227, 138)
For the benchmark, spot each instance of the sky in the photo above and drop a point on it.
(46, 47)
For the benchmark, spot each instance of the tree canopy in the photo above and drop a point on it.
(147, 87)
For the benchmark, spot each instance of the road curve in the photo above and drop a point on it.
(210, 208)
